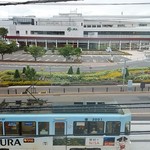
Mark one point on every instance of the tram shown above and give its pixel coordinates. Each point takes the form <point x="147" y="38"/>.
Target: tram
<point x="75" y="126"/>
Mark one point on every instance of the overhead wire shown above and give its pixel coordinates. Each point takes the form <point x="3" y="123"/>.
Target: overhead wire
<point x="96" y="4"/>
<point x="32" y="2"/>
<point x="55" y="2"/>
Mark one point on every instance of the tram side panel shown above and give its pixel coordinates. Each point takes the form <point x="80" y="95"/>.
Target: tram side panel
<point x="66" y="132"/>
<point x="72" y="141"/>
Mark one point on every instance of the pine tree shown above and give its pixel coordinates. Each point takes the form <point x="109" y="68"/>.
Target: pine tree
<point x="70" y="71"/>
<point x="127" y="73"/>
<point x="30" y="73"/>
<point x="78" y="71"/>
<point x="17" y="74"/>
<point x="24" y="70"/>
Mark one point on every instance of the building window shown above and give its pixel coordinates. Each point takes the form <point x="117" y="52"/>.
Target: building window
<point x="98" y="26"/>
<point x="121" y="25"/>
<point x="107" y="25"/>
<point x="93" y="26"/>
<point x="88" y="26"/>
<point x="26" y="32"/>
<point x="48" y="32"/>
<point x="142" y="25"/>
<point x="17" y="32"/>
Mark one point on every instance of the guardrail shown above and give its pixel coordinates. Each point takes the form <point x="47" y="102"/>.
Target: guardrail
<point x="73" y="89"/>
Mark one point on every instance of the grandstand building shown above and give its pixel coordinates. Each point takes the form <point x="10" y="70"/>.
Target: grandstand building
<point x="87" y="32"/>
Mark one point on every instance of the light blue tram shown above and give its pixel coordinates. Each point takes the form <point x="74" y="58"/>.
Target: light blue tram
<point x="66" y="127"/>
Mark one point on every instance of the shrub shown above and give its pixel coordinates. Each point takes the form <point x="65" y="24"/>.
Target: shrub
<point x="78" y="71"/>
<point x="17" y="74"/>
<point x="70" y="71"/>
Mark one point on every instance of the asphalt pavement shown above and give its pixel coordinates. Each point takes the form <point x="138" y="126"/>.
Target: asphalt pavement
<point x="87" y="60"/>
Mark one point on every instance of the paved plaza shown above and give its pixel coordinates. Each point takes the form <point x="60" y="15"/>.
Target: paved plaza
<point x="94" y="58"/>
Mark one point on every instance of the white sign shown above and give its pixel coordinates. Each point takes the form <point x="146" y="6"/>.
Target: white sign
<point x="130" y="85"/>
<point x="94" y="141"/>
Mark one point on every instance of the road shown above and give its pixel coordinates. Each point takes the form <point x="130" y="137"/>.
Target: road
<point x="90" y="62"/>
<point x="137" y="114"/>
<point x="86" y="67"/>
<point x="140" y="141"/>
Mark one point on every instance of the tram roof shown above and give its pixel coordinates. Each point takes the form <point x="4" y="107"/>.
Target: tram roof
<point x="76" y="107"/>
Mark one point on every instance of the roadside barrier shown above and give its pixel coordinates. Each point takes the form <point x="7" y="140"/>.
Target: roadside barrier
<point x="74" y="89"/>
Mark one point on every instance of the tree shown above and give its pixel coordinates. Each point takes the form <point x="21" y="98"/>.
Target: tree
<point x="78" y="71"/>
<point x="12" y="47"/>
<point x="3" y="32"/>
<point x="70" y="71"/>
<point x="127" y="73"/>
<point x="69" y="50"/>
<point x="36" y="51"/>
<point x="3" y="49"/>
<point x="77" y="52"/>
<point x="7" y="48"/>
<point x="24" y="70"/>
<point x="66" y="51"/>
<point x="30" y="73"/>
<point x="17" y="74"/>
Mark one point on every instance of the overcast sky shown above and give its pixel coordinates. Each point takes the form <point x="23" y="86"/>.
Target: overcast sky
<point x="48" y="10"/>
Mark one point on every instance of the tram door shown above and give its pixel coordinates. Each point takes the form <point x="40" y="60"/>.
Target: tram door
<point x="60" y="128"/>
<point x="59" y="140"/>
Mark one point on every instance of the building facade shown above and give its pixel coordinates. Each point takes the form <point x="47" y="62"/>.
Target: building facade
<point x="87" y="32"/>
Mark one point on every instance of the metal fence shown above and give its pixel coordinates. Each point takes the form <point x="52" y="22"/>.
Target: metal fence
<point x="72" y="89"/>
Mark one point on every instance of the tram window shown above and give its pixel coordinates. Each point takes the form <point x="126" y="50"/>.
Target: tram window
<point x="43" y="128"/>
<point x="1" y="128"/>
<point x="113" y="127"/>
<point x="59" y="128"/>
<point x="80" y="128"/>
<point x="96" y="127"/>
<point x="127" y="128"/>
<point x="11" y="128"/>
<point x="28" y="128"/>
<point x="88" y="128"/>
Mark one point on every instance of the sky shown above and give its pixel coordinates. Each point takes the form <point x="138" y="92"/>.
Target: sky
<point x="49" y="10"/>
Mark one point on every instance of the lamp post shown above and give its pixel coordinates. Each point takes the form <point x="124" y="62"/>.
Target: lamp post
<point x="124" y="73"/>
<point x="49" y="70"/>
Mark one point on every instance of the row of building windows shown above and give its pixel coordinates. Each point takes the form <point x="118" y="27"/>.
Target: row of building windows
<point x="48" y="32"/>
<point x="88" y="32"/>
<point x="43" y="32"/>
<point x="79" y="128"/>
<point x="110" y="25"/>
<point x="117" y="33"/>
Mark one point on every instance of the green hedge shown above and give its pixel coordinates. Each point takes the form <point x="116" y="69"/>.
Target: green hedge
<point x="20" y="83"/>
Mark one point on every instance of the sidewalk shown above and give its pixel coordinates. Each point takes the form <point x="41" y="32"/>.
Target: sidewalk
<point x="135" y="55"/>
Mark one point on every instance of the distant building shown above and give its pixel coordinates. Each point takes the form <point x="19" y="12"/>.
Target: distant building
<point x="87" y="32"/>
